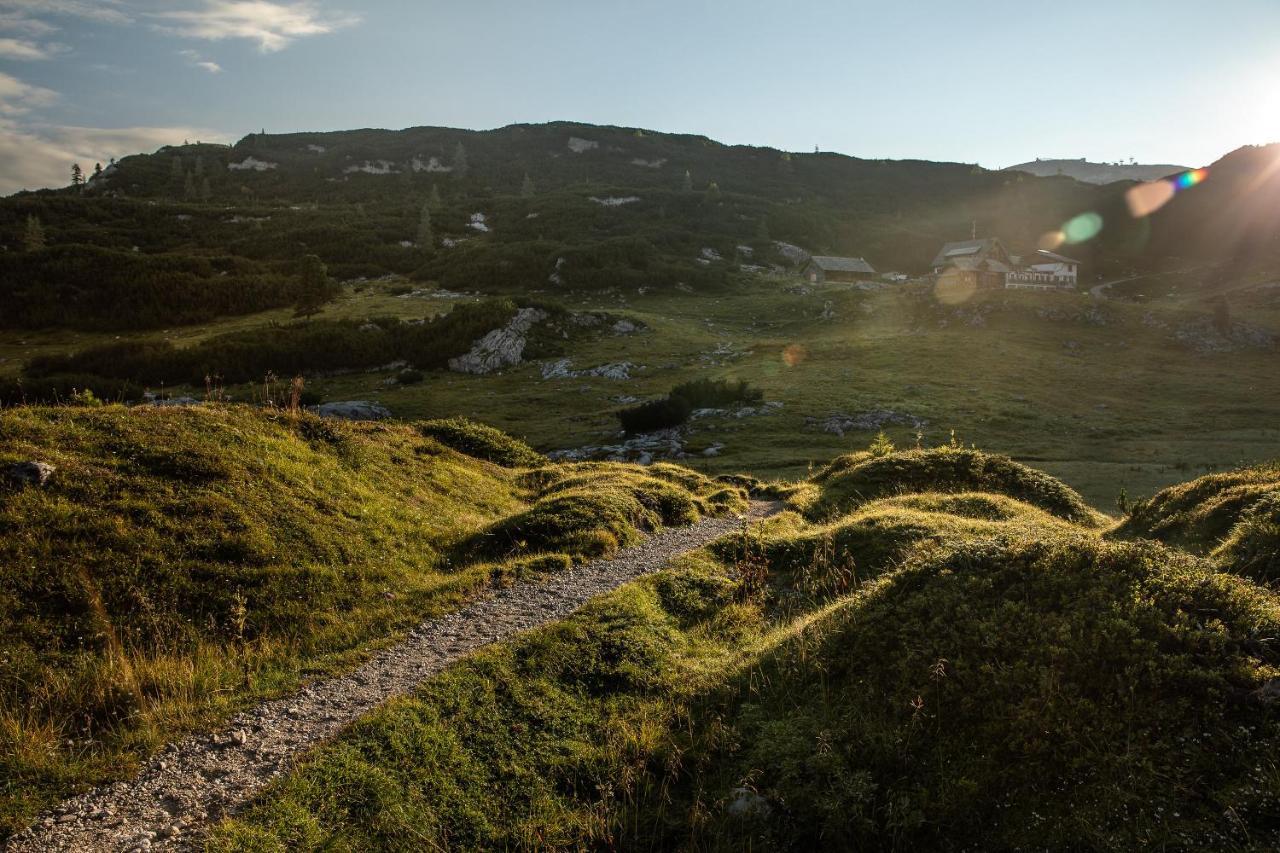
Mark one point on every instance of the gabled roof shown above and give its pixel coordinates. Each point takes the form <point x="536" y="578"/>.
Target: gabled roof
<point x="832" y="264"/>
<point x="1045" y="256"/>
<point x="965" y="249"/>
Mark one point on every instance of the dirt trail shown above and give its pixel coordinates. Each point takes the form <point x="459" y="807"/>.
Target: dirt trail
<point x="205" y="776"/>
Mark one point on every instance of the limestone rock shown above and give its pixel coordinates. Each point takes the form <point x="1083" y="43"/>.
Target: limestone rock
<point x="352" y="410"/>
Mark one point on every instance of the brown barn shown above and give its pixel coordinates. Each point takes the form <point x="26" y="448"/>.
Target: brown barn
<point x="820" y="269"/>
<point x="974" y="263"/>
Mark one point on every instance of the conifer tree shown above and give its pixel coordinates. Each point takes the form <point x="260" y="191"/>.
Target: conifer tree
<point x="315" y="288"/>
<point x="189" y="186"/>
<point x="526" y="188"/>
<point x="426" y="235"/>
<point x="713" y="191"/>
<point x="688" y="182"/>
<point x="33" y="239"/>
<point x="206" y="191"/>
<point x="97" y="171"/>
<point x="460" y="165"/>
<point x="77" y="175"/>
<point x="200" y="166"/>
<point x="177" y="171"/>
<point x="434" y="201"/>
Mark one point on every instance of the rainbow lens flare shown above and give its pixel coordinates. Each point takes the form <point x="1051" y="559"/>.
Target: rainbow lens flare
<point x="1187" y="180"/>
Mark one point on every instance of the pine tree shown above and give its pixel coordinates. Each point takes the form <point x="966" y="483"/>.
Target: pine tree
<point x="713" y="191"/>
<point x="426" y="236"/>
<point x="460" y="165"/>
<point x="688" y="182"/>
<point x="206" y="191"/>
<point x="189" y="186"/>
<point x="526" y="188"/>
<point x="200" y="166"/>
<point x="97" y="171"/>
<point x="77" y="175"/>
<point x="314" y="287"/>
<point x="177" y="171"/>
<point x="434" y="201"/>
<point x="33" y="239"/>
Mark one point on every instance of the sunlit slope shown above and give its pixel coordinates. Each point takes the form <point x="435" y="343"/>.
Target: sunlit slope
<point x="957" y="669"/>
<point x="181" y="562"/>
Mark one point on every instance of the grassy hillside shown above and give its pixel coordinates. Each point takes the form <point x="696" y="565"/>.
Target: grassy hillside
<point x="929" y="670"/>
<point x="184" y="562"/>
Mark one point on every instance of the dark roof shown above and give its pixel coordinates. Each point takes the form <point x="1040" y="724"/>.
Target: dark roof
<point x="831" y="264"/>
<point x="1043" y="255"/>
<point x="949" y="252"/>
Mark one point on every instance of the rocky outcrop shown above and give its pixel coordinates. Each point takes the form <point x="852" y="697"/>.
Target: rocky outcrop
<point x="352" y="410"/>
<point x="500" y="348"/>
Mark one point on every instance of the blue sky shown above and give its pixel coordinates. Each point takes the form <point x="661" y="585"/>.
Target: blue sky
<point x="994" y="82"/>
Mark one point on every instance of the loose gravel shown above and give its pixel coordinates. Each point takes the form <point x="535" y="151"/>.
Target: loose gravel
<point x="205" y="777"/>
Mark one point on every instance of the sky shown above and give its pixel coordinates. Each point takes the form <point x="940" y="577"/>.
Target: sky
<point x="993" y="82"/>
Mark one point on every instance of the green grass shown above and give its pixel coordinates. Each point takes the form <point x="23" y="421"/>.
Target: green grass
<point x="1126" y="409"/>
<point x="184" y="562"/>
<point x="931" y="670"/>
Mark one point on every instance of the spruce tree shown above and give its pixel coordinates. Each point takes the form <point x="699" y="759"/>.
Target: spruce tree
<point x="177" y="171"/>
<point x="426" y="236"/>
<point x="189" y="186"/>
<point x="33" y="239"/>
<point x="687" y="185"/>
<point x="315" y="288"/>
<point x="434" y="201"/>
<point x="77" y="175"/>
<point x="206" y="192"/>
<point x="97" y="171"/>
<point x="526" y="188"/>
<point x="200" y="166"/>
<point x="460" y="165"/>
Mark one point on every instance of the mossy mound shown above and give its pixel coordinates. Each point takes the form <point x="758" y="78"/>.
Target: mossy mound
<point x="593" y="509"/>
<point x="482" y="442"/>
<point x="825" y="559"/>
<point x="1252" y="547"/>
<point x="1199" y="514"/>
<point x="1060" y="693"/>
<point x="851" y="481"/>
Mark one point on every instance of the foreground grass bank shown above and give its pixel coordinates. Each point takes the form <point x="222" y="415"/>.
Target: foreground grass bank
<point x="183" y="562"/>
<point x="918" y="670"/>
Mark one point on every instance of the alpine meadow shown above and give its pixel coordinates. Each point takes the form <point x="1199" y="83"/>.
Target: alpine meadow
<point x="565" y="485"/>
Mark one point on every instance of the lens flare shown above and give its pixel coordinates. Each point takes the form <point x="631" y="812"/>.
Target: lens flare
<point x="1083" y="227"/>
<point x="1146" y="199"/>
<point x="794" y="354"/>
<point x="954" y="287"/>
<point x="1187" y="180"/>
<point x="1051" y="241"/>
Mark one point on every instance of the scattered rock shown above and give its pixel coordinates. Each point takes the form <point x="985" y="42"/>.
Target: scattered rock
<point x="616" y="200"/>
<point x="31" y="473"/>
<point x="578" y="145"/>
<point x="744" y="802"/>
<point x="625" y="327"/>
<point x="643" y="449"/>
<point x="563" y="369"/>
<point x="352" y="410"/>
<point x="1269" y="693"/>
<point x="839" y="423"/>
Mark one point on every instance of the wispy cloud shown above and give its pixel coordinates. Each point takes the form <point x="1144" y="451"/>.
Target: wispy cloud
<point x="18" y="97"/>
<point x="274" y="26"/>
<point x="37" y="157"/>
<point x="194" y="58"/>
<point x="11" y="48"/>
<point x="21" y="13"/>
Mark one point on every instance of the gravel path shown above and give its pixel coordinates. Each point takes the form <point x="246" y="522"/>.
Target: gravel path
<point x="204" y="777"/>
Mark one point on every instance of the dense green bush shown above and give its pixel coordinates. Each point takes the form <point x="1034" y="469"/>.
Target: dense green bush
<point x="675" y="408"/>
<point x="86" y="287"/>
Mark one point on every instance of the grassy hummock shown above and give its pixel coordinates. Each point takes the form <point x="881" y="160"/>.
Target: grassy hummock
<point x="988" y="675"/>
<point x="184" y="562"/>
